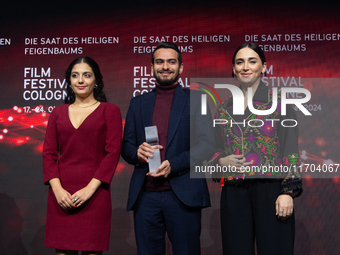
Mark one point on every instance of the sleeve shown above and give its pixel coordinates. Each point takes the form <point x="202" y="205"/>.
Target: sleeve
<point x="290" y="158"/>
<point x="50" y="149"/>
<point x="129" y="144"/>
<point x="113" y="141"/>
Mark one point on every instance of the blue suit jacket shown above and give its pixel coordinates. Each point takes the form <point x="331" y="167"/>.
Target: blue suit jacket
<point x="191" y="191"/>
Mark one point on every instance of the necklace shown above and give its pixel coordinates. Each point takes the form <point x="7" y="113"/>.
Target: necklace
<point x="85" y="106"/>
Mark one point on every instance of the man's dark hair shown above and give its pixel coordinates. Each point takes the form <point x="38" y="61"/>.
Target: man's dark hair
<point x="167" y="45"/>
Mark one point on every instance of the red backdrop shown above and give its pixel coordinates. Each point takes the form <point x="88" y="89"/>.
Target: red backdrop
<point x="38" y="41"/>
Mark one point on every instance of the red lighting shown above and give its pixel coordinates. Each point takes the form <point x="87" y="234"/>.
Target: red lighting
<point x="336" y="179"/>
<point x="120" y="168"/>
<point x="19" y="126"/>
<point x="19" y="141"/>
<point x="40" y="147"/>
<point x="308" y="177"/>
<point x="320" y="141"/>
<point x="123" y="124"/>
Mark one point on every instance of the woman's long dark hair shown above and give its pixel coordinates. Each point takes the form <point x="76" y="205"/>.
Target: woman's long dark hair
<point x="97" y="92"/>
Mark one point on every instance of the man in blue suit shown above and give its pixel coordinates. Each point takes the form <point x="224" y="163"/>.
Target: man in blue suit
<point x="169" y="200"/>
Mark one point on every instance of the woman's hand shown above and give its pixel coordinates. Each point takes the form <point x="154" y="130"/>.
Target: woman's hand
<point x="238" y="161"/>
<point x="63" y="197"/>
<point x="84" y="194"/>
<point x="81" y="196"/>
<point x="284" y="206"/>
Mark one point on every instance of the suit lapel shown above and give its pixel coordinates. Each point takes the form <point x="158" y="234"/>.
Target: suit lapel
<point x="177" y="108"/>
<point x="148" y="104"/>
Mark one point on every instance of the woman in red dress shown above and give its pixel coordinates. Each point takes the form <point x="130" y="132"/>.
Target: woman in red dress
<point x="80" y="155"/>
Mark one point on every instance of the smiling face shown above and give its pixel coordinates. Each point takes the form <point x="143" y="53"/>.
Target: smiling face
<point x="166" y="67"/>
<point x="82" y="80"/>
<point x="248" y="66"/>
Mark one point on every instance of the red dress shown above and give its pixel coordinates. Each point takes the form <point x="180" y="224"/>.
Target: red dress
<point x="75" y="156"/>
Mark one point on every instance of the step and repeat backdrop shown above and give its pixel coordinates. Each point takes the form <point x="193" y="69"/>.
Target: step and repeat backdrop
<point x="36" y="46"/>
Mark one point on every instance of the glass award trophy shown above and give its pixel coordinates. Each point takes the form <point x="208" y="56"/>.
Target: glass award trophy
<point x="151" y="136"/>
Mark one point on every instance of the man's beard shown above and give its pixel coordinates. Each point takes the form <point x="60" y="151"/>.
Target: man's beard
<point x="166" y="82"/>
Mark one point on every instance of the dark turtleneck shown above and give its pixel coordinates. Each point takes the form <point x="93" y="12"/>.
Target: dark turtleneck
<point x="160" y="118"/>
